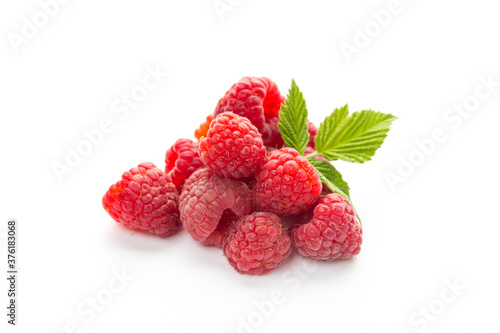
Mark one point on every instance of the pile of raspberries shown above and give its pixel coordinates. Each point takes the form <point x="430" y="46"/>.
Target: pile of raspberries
<point x="239" y="188"/>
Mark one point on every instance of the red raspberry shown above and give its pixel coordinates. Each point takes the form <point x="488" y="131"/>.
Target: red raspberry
<point x="313" y="131"/>
<point x="201" y="132"/>
<point x="286" y="184"/>
<point x="272" y="134"/>
<point x="258" y="99"/>
<point x="204" y="199"/>
<point x="226" y="222"/>
<point x="309" y="150"/>
<point x="333" y="233"/>
<point x="144" y="199"/>
<point x="233" y="146"/>
<point x="269" y="149"/>
<point x="257" y="244"/>
<point x="181" y="160"/>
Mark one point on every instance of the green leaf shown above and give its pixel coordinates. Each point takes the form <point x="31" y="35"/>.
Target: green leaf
<point x="331" y="177"/>
<point x="355" y="138"/>
<point x="329" y="126"/>
<point x="293" y="120"/>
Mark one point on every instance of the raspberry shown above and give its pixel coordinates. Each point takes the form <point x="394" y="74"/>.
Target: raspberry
<point x="233" y="146"/>
<point x="286" y="184"/>
<point x="269" y="149"/>
<point x="333" y="233"/>
<point x="181" y="160"/>
<point x="203" y="129"/>
<point x="272" y="134"/>
<point x="309" y="150"/>
<point x="257" y="244"/>
<point x="226" y="222"/>
<point x="204" y="199"/>
<point x="258" y="99"/>
<point x="313" y="130"/>
<point x="144" y="199"/>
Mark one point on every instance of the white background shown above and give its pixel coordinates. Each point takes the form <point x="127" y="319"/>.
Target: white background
<point x="438" y="227"/>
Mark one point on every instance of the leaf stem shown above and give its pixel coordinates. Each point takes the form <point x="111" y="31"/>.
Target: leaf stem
<point x="312" y="155"/>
